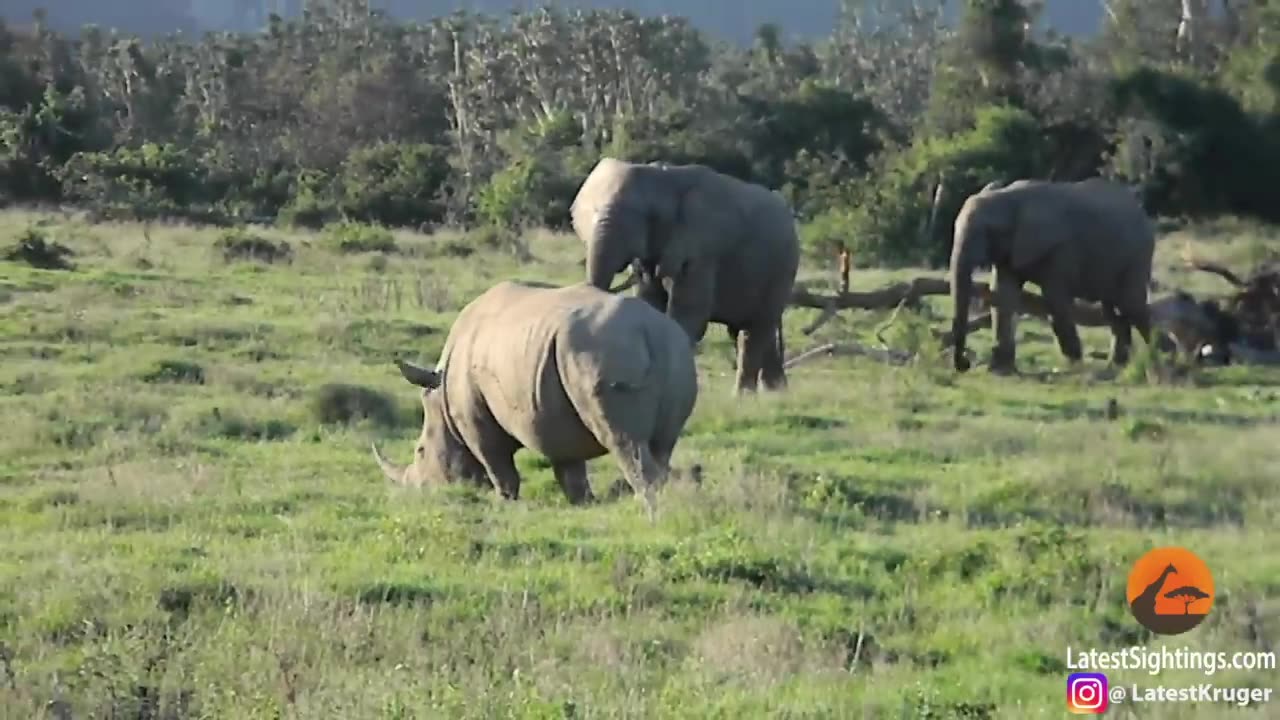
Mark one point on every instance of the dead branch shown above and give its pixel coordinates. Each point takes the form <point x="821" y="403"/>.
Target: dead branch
<point x="1178" y="316"/>
<point x="893" y="357"/>
<point x="1216" y="269"/>
<point x="886" y="298"/>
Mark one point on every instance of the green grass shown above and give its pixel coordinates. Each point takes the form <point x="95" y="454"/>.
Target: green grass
<point x="192" y="525"/>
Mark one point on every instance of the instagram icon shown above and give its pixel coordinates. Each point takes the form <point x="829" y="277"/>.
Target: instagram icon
<point x="1087" y="693"/>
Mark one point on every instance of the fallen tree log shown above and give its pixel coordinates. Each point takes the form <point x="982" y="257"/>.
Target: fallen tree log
<point x="910" y="292"/>
<point x="1177" y="317"/>
<point x="1254" y="306"/>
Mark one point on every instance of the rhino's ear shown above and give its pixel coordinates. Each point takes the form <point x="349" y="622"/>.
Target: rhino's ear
<point x="420" y="376"/>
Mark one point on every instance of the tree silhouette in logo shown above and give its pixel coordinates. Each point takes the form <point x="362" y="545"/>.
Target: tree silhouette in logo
<point x="1157" y="608"/>
<point x="1187" y="594"/>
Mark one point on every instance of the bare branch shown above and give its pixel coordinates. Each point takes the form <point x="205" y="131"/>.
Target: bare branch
<point x="893" y="357"/>
<point x="886" y="298"/>
<point x="1189" y="260"/>
<point x="1218" y="270"/>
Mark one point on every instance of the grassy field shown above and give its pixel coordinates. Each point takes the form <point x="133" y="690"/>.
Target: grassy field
<point x="192" y="525"/>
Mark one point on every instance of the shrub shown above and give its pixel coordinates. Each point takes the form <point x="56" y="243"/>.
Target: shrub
<point x="312" y="205"/>
<point x="150" y="181"/>
<point x="1206" y="131"/>
<point x="34" y="249"/>
<point x="887" y="216"/>
<point x="354" y="237"/>
<point x="240" y="244"/>
<point x="342" y="404"/>
<point x="394" y="183"/>
<point x="175" y="371"/>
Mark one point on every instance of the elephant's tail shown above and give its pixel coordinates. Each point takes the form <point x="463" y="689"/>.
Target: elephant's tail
<point x="782" y="345"/>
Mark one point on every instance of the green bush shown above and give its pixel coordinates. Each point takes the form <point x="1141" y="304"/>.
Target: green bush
<point x="1198" y="170"/>
<point x="311" y="204"/>
<point x="394" y="183"/>
<point x="538" y="184"/>
<point x="240" y="244"/>
<point x="354" y="237"/>
<point x="150" y="181"/>
<point x="38" y="251"/>
<point x="887" y="216"/>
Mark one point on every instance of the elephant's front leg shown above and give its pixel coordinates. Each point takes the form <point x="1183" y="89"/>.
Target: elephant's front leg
<point x="1004" y="313"/>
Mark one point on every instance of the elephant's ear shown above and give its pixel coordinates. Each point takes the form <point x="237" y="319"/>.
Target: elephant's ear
<point x="1037" y="229"/>
<point x="712" y="211"/>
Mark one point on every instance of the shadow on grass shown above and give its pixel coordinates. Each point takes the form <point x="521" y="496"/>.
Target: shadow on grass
<point x="1110" y="505"/>
<point x="397" y="593"/>
<point x="831" y="498"/>
<point x="180" y="600"/>
<point x="1048" y="412"/>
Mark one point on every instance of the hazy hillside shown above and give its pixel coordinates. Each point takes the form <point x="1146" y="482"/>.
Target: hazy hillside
<point x="733" y="20"/>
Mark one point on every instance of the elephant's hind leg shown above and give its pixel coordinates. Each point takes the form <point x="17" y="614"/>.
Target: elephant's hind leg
<point x="1060" y="306"/>
<point x="1121" y="335"/>
<point x="1004" y="316"/>
<point x="773" y="375"/>
<point x="1138" y="315"/>
<point x="572" y="477"/>
<point x="753" y="346"/>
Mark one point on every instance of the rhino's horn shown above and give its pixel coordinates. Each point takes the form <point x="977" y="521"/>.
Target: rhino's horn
<point x="394" y="472"/>
<point x="418" y="375"/>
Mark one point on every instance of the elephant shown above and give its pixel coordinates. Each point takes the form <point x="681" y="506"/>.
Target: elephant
<point x="712" y="248"/>
<point x="1088" y="239"/>
<point x="571" y="373"/>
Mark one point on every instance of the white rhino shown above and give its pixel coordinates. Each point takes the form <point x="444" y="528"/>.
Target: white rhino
<point x="571" y="373"/>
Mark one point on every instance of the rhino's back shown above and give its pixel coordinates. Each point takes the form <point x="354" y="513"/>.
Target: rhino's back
<point x="516" y="337"/>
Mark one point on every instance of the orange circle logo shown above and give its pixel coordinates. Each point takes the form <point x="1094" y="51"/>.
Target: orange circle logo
<point x="1170" y="590"/>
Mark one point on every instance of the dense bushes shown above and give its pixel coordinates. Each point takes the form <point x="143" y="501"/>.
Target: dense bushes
<point x="348" y="116"/>
<point x="890" y="217"/>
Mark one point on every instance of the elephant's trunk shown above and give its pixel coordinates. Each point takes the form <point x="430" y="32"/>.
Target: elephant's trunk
<point x="689" y="313"/>
<point x="394" y="473"/>
<point x="608" y="252"/>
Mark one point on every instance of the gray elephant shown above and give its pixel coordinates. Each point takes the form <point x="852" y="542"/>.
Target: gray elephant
<point x="1088" y="240"/>
<point x="713" y="249"/>
<point x="572" y="373"/>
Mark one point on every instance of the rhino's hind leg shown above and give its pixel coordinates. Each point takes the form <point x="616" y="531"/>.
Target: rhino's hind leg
<point x="572" y="477"/>
<point x="643" y="471"/>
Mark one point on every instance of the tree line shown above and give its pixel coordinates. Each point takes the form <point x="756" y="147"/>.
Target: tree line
<point x="875" y="133"/>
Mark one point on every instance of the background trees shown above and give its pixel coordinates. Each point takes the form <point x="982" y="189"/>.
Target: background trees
<point x="875" y="133"/>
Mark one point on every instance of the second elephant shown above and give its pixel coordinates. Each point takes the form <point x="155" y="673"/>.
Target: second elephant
<point x="1088" y="240"/>
<point x="714" y="249"/>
